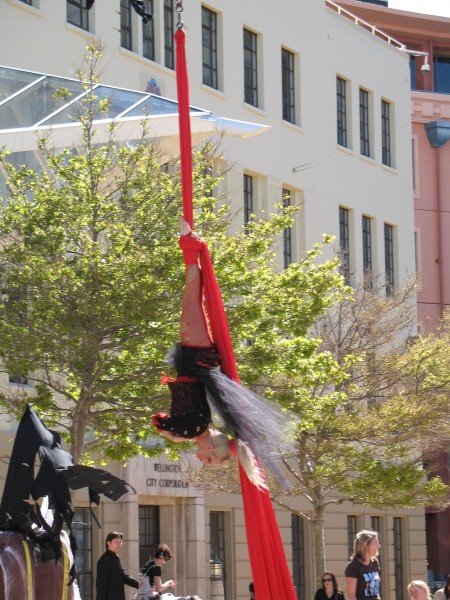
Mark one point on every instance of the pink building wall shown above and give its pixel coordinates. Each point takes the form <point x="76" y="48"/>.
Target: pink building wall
<point x="432" y="207"/>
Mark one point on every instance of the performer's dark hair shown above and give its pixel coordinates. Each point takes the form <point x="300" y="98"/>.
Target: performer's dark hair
<point x="112" y="535"/>
<point x="163" y="551"/>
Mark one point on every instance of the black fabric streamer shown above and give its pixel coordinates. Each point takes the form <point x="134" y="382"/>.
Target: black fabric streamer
<point x="138" y="5"/>
<point x="55" y="476"/>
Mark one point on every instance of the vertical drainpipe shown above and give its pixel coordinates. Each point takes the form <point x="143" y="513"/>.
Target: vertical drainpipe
<point x="438" y="134"/>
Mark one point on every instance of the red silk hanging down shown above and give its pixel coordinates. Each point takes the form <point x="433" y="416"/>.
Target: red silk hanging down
<point x="271" y="575"/>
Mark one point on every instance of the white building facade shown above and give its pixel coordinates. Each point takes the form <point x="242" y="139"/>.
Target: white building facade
<point x="337" y="100"/>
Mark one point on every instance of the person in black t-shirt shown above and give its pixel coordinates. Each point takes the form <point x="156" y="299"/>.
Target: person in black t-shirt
<point x="152" y="569"/>
<point x="363" y="571"/>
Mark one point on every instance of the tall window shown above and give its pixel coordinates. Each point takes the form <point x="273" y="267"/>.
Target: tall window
<point x="125" y="25"/>
<point x="217" y="545"/>
<point x="344" y="243"/>
<point x="352" y="530"/>
<point x="364" y="122"/>
<point x="148" y="532"/>
<point x="248" y="198"/>
<point x="389" y="257"/>
<point x="386" y="133"/>
<point x="441" y="70"/>
<point x="77" y="13"/>
<point x="169" y="49"/>
<point x="341" y="99"/>
<point x="288" y="85"/>
<point x="375" y="525"/>
<point x="287" y="233"/>
<point x="398" y="558"/>
<point x="298" y="555"/>
<point x="148" y="33"/>
<point x="82" y="531"/>
<point x="367" y="250"/>
<point x="412" y="71"/>
<point x="250" y="68"/>
<point x="209" y="47"/>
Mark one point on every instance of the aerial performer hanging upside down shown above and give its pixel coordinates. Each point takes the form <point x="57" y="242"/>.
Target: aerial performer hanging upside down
<point x="258" y="429"/>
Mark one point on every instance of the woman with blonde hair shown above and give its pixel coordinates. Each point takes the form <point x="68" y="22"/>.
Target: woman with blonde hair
<point x="363" y="571"/>
<point x="419" y="590"/>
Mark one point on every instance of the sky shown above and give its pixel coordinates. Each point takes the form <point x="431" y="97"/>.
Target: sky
<point x="428" y="7"/>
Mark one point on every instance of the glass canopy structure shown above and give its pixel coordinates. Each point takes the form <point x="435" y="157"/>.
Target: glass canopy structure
<point x="34" y="104"/>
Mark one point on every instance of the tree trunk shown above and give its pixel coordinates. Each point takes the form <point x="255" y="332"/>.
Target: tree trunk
<point x="317" y="522"/>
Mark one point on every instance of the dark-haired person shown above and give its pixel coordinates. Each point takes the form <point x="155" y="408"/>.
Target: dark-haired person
<point x="330" y="589"/>
<point x="152" y="569"/>
<point x="251" y="589"/>
<point x="363" y="571"/>
<point x="444" y="592"/>
<point x="111" y="577"/>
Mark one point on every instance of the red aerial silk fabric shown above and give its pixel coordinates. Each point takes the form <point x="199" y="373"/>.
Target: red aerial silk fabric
<point x="271" y="576"/>
<point x="185" y="127"/>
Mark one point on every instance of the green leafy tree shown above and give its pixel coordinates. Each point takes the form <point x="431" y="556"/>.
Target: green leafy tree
<point x="92" y="280"/>
<point x="373" y="404"/>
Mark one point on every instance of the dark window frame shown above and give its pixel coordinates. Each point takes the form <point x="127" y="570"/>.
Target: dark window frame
<point x="17" y="379"/>
<point x="148" y="34"/>
<point x="169" y="31"/>
<point x="344" y="243"/>
<point x="298" y="555"/>
<point x="251" y="68"/>
<point x="287" y="232"/>
<point x="367" y="251"/>
<point x="210" y="74"/>
<point x="386" y="133"/>
<point x="217" y="542"/>
<point x="352" y="530"/>
<point x="397" y="528"/>
<point x="288" y="85"/>
<point x="341" y="109"/>
<point x="126" y="31"/>
<point x="78" y="7"/>
<point x="82" y="522"/>
<point x="248" y="198"/>
<point x="149" y="531"/>
<point x="389" y="258"/>
<point x="364" y="131"/>
<point x="441" y="82"/>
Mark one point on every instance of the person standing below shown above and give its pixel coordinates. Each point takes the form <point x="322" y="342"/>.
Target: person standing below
<point x="444" y="592"/>
<point x="419" y="590"/>
<point x="330" y="589"/>
<point x="111" y="577"/>
<point x="152" y="569"/>
<point x="363" y="571"/>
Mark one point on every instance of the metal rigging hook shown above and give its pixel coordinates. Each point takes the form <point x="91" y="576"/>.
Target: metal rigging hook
<point x="179" y="11"/>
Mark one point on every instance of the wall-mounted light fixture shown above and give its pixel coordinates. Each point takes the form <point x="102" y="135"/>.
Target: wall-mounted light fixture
<point x="425" y="68"/>
<point x="215" y="569"/>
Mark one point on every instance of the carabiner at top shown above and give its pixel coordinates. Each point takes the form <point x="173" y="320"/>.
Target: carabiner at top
<point x="179" y="11"/>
